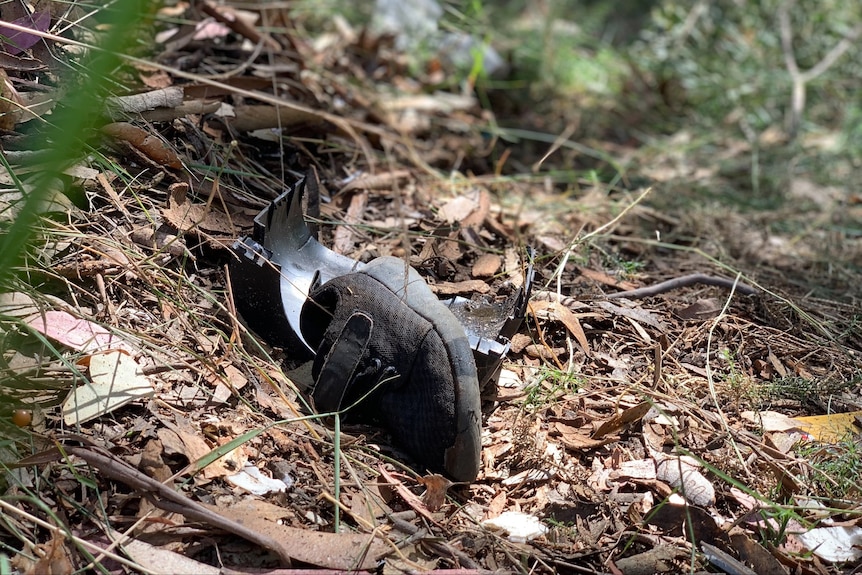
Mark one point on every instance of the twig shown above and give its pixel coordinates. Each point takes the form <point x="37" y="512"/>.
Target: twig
<point x="7" y="508"/>
<point x="167" y="499"/>
<point x="683" y="281"/>
<point x="238" y="25"/>
<point x="709" y="372"/>
<point x="439" y="546"/>
<point x="542" y="338"/>
<point x="690" y="21"/>
<point x="336" y="472"/>
<point x="800" y="79"/>
<point x="562" y="138"/>
<point x="558" y="273"/>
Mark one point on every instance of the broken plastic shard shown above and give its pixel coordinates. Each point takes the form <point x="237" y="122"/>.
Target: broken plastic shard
<point x="521" y="527"/>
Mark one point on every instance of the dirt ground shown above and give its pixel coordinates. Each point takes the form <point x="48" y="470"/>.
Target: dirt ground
<point x="639" y="434"/>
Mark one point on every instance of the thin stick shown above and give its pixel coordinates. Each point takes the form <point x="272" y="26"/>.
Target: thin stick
<point x="558" y="273"/>
<point x="799" y="78"/>
<point x="337" y="471"/>
<point x="77" y="540"/>
<point x="683" y="281"/>
<point x="710" y="379"/>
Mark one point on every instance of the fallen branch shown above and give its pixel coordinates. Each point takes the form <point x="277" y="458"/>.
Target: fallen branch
<point x="691" y="279"/>
<point x="800" y="79"/>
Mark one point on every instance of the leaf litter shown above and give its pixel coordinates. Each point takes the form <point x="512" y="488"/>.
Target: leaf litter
<point x="625" y="434"/>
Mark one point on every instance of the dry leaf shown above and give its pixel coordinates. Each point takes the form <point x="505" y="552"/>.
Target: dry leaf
<point x="10" y="103"/>
<point x="777" y="365"/>
<point x="54" y="558"/>
<point x="12" y="63"/>
<point x="160" y="239"/>
<point x="77" y="333"/>
<point x="513" y="265"/>
<point x="449" y="250"/>
<point x="186" y="216"/>
<point x="17" y="304"/>
<point x="639" y="469"/>
<point x="674" y="516"/>
<point x="158" y="560"/>
<point x="406" y="494"/>
<point x="468" y="209"/>
<point x="626" y="417"/>
<point x="114" y="382"/>
<point x="659" y="559"/>
<point x="342" y="238"/>
<point x="566" y="317"/>
<point x="641" y="331"/>
<point x="497" y="504"/>
<point x="756" y="555"/>
<point x="639" y="314"/>
<point x="16" y="41"/>
<point x="150" y="146"/>
<point x="682" y="473"/>
<point x="771" y="420"/>
<point x="578" y="439"/>
<point x="476" y="218"/>
<point x="341" y="551"/>
<point x="436" y="487"/>
<point x="466" y="287"/>
<point x="701" y="309"/>
<point x="486" y="266"/>
<point x="605" y="279"/>
<point x="152" y="462"/>
<point x="237" y="379"/>
<point x="186" y="440"/>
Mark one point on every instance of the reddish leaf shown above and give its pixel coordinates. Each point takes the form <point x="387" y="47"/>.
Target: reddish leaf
<point x="79" y="334"/>
<point x="406" y="494"/>
<point x="150" y="146"/>
<point x="436" y="487"/>
<point x="16" y="41"/>
<point x="626" y="417"/>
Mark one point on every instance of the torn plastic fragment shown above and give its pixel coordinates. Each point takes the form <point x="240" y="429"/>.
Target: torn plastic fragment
<point x="521" y="527"/>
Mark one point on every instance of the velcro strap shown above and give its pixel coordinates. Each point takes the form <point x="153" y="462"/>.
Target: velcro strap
<point x="339" y="366"/>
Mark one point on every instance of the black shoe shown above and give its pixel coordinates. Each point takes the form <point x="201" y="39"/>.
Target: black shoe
<point x="393" y="354"/>
<point x="375" y="333"/>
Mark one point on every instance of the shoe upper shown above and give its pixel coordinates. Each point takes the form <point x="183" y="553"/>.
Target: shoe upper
<point x="415" y="375"/>
<point x="375" y="330"/>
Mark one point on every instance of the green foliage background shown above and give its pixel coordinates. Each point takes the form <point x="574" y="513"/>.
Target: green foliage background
<point x="69" y="126"/>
